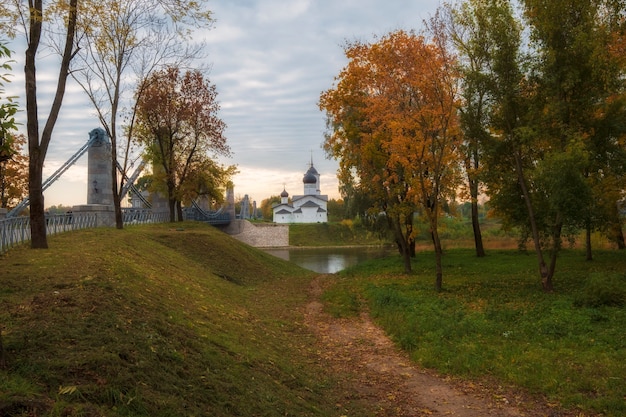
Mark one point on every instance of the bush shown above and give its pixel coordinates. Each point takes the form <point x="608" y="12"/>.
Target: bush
<point x="603" y="289"/>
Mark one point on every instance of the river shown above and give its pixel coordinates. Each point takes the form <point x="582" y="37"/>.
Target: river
<point x="328" y="260"/>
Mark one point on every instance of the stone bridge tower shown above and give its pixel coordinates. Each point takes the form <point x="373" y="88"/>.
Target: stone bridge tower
<point x="99" y="182"/>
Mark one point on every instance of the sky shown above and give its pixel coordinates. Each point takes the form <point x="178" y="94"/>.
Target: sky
<point x="269" y="60"/>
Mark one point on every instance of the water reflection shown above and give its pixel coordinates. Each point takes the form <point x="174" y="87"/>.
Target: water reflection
<point x="328" y="260"/>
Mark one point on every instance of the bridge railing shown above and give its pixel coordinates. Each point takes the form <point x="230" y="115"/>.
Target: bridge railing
<point x="16" y="230"/>
<point x="214" y="218"/>
<point x="141" y="216"/>
<point x="13" y="231"/>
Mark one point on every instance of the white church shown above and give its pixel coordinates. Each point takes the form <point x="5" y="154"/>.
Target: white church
<point x="312" y="207"/>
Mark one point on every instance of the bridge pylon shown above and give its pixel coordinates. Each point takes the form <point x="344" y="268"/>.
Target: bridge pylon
<point x="99" y="166"/>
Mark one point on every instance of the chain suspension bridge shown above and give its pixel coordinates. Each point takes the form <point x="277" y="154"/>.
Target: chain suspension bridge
<point x="15" y="228"/>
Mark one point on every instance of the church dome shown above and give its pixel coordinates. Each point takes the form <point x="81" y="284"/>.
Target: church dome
<point x="312" y="170"/>
<point x="309" y="178"/>
<point x="284" y="193"/>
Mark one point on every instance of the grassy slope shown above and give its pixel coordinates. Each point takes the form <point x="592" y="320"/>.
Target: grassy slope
<point x="155" y="321"/>
<point x="332" y="234"/>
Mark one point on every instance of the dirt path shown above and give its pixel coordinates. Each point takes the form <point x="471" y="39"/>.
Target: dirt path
<point x="372" y="369"/>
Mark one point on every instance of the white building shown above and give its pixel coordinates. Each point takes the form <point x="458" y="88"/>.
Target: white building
<point x="312" y="207"/>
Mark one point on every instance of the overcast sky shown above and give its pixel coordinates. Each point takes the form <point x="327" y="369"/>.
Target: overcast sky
<point x="270" y="60"/>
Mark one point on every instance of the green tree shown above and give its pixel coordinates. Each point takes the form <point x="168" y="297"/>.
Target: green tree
<point x="336" y="210"/>
<point x="511" y="151"/>
<point x="14" y="174"/>
<point x="575" y="76"/>
<point x="471" y="26"/>
<point x="13" y="162"/>
<point x="266" y="206"/>
<point x="206" y="179"/>
<point x="606" y="141"/>
<point x="8" y="109"/>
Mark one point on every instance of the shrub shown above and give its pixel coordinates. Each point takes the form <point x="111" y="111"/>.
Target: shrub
<point x="602" y="289"/>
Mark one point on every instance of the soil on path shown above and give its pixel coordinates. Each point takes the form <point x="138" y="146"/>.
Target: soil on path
<point x="371" y="369"/>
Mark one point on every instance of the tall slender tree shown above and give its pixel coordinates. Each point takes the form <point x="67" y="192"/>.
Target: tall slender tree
<point x="470" y="26"/>
<point x="575" y="78"/>
<point x="34" y="15"/>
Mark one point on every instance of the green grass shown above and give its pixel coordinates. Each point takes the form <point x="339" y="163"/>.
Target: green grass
<point x="178" y="320"/>
<point x="493" y="321"/>
<point x="345" y="233"/>
<point x="157" y="321"/>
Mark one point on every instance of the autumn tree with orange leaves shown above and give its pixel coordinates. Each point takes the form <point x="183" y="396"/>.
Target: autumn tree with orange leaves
<point x="14" y="174"/>
<point x="393" y="126"/>
<point x="178" y="125"/>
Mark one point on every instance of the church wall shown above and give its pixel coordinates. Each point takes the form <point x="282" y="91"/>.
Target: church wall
<point x="301" y="212"/>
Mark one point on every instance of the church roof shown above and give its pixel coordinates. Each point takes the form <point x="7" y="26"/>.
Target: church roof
<point x="320" y="197"/>
<point x="310" y="204"/>
<point x="283" y="211"/>
<point x="309" y="178"/>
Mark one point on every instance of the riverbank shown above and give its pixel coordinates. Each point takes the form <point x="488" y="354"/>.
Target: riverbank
<point x="273" y="235"/>
<point x="259" y="235"/>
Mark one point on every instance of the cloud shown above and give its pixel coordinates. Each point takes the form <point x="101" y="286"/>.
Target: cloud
<point x="270" y="60"/>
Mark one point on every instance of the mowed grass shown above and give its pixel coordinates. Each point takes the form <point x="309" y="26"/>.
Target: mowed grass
<point x="492" y="321"/>
<point x="160" y="320"/>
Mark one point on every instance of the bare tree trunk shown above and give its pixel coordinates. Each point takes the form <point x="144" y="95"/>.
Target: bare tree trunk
<point x="473" y="186"/>
<point x="37" y="148"/>
<point x="172" y="208"/>
<point x="179" y="211"/>
<point x="3" y="358"/>
<point x="556" y="247"/>
<point x="478" y="237"/>
<point x="621" y="242"/>
<point x="616" y="233"/>
<point x="117" y="207"/>
<point x="588" y="251"/>
<point x="171" y="199"/>
<point x="546" y="280"/>
<point x="438" y="259"/>
<point x="402" y="242"/>
<point x="38" y="239"/>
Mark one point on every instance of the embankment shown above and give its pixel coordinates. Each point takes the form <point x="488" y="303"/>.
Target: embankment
<point x="260" y="234"/>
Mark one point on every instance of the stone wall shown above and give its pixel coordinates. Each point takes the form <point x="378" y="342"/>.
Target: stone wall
<point x="260" y="234"/>
<point x="105" y="213"/>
